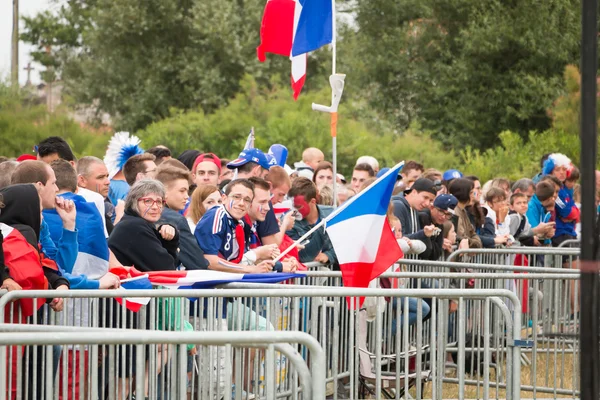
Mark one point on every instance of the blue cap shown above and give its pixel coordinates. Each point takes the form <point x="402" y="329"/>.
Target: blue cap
<point x="445" y="202"/>
<point x="271" y="159"/>
<point x="382" y="171"/>
<point x="452" y="174"/>
<point x="250" y="155"/>
<point x="280" y="152"/>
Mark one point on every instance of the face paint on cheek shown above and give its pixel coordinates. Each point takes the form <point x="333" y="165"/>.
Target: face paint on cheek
<point x="230" y="204"/>
<point x="302" y="206"/>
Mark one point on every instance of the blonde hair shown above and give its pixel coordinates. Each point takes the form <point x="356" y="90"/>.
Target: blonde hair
<point x="326" y="195"/>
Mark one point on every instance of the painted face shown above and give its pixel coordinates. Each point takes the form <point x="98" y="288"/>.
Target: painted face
<point x="239" y="201"/>
<point x="206" y="173"/>
<point x="302" y="206"/>
<point x="260" y="204"/>
<point x="214" y="199"/>
<point x="324" y="177"/>
<point x="151" y="207"/>
<point x="476" y="193"/>
<point x="177" y="195"/>
<point x="97" y="180"/>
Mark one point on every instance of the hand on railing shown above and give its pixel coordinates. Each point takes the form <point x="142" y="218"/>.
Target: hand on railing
<point x="57" y="303"/>
<point x="10" y="285"/>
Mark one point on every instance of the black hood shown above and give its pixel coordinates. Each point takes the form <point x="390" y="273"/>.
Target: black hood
<point x="188" y="157"/>
<point x="22" y="210"/>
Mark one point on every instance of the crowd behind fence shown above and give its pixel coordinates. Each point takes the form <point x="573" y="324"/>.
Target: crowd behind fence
<point x="472" y="326"/>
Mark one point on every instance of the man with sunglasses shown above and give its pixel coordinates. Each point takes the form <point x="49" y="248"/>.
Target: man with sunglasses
<point x="220" y="232"/>
<point x="441" y="211"/>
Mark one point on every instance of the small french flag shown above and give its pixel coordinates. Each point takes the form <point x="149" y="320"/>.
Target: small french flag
<point x="138" y="283"/>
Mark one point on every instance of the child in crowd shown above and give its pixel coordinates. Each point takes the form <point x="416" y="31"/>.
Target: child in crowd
<point x="516" y="224"/>
<point x="566" y="226"/>
<point x="407" y="245"/>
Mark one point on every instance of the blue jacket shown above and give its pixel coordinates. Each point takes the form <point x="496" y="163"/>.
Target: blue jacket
<point x="564" y="206"/>
<point x="537" y="214"/>
<point x="65" y="255"/>
<point x="319" y="240"/>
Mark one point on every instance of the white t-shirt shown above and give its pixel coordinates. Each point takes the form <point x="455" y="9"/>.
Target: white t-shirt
<point x="98" y="200"/>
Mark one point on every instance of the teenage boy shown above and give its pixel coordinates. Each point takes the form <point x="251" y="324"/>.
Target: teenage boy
<point x="177" y="185"/>
<point x="516" y="223"/>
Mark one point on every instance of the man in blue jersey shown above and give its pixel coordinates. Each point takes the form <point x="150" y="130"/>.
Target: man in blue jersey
<point x="220" y="232"/>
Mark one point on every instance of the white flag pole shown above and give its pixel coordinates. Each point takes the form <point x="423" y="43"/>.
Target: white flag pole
<point x="396" y="169"/>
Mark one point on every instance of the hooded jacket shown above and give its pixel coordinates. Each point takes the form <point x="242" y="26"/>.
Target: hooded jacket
<point x="22" y="211"/>
<point x="138" y="243"/>
<point x="537" y="214"/>
<point x="409" y="218"/>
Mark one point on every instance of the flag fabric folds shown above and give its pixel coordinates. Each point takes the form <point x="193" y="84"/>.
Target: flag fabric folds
<point x="361" y="234"/>
<point x="293" y="28"/>
<point x="138" y="283"/>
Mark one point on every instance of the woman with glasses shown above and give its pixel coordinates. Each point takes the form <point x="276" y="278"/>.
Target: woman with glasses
<point x="137" y="239"/>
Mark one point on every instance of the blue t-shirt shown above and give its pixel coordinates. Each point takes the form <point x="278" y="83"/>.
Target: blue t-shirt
<point x="269" y="226"/>
<point x="117" y="190"/>
<point x="215" y="234"/>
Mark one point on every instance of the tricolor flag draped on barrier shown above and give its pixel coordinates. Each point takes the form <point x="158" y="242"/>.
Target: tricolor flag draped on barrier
<point x="292" y="28"/>
<point x="138" y="283"/>
<point x="361" y="234"/>
<point x="194" y="279"/>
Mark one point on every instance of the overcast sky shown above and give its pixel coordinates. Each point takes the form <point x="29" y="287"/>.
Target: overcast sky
<point x="26" y="8"/>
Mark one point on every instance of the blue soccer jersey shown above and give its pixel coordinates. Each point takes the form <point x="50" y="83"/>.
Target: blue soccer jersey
<point x="216" y="234"/>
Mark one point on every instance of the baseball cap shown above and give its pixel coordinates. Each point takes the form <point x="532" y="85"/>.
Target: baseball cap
<point x="445" y="202"/>
<point x="207" y="157"/>
<point x="452" y="174"/>
<point x="280" y="153"/>
<point x="250" y="155"/>
<point x="423" y="185"/>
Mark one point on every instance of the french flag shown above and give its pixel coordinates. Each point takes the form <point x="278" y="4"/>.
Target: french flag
<point x="200" y="279"/>
<point x="292" y="28"/>
<point x="138" y="283"/>
<point x="361" y="234"/>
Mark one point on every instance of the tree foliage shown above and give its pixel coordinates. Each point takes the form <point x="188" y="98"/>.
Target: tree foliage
<point x="277" y="120"/>
<point x="23" y="124"/>
<point x="136" y="60"/>
<point x="465" y="69"/>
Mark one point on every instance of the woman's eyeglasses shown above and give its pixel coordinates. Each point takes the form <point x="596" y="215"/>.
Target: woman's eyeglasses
<point x="149" y="202"/>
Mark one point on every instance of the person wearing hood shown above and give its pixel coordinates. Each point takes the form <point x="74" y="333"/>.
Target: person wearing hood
<point x="406" y="208"/>
<point x="139" y="239"/>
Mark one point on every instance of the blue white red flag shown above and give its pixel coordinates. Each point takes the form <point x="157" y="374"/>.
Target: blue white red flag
<point x="138" y="283"/>
<point x="361" y="234"/>
<point x="201" y="279"/>
<point x="293" y="28"/>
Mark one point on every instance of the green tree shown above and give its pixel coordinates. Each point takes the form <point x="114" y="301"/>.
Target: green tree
<point x="138" y="60"/>
<point x="277" y="119"/>
<point x="465" y="69"/>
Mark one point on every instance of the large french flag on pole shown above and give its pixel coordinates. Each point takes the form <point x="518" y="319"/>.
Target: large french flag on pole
<point x="293" y="28"/>
<point x="361" y="234"/>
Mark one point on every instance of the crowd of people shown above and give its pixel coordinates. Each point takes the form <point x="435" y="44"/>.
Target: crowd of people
<point x="65" y="222"/>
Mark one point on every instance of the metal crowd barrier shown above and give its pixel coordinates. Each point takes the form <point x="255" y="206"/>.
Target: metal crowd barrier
<point x="354" y="342"/>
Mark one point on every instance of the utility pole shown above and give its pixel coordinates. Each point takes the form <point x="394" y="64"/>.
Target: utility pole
<point x="15" y="46"/>
<point x="28" y="68"/>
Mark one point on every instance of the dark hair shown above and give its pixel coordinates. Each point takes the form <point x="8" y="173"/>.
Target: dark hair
<point x="160" y="152"/>
<point x="247" y="168"/>
<point x="30" y="171"/>
<point x="472" y="178"/>
<point x="365" y="167"/>
<point x="544" y="190"/>
<point x="515" y="196"/>
<point x="260" y="183"/>
<point x="495" y="193"/>
<point x="552" y="179"/>
<point x="224" y="184"/>
<point x="135" y="165"/>
<point x="574" y="175"/>
<point x="66" y="176"/>
<point x="55" y="145"/>
<point x="188" y="157"/>
<point x="321" y="166"/>
<point x="411" y="165"/>
<point x="244" y="182"/>
<point x="304" y="187"/>
<point x="224" y="162"/>
<point x="544" y="158"/>
<point x="461" y="189"/>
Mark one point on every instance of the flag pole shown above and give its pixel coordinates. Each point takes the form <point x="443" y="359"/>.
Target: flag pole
<point x="396" y="169"/>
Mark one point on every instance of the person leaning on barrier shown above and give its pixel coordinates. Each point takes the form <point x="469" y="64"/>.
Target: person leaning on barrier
<point x="441" y="211"/>
<point x="220" y="232"/>
<point x="538" y="211"/>
<point x="319" y="248"/>
<point x="139" y="239"/>
<point x="467" y="237"/>
<point x="177" y="183"/>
